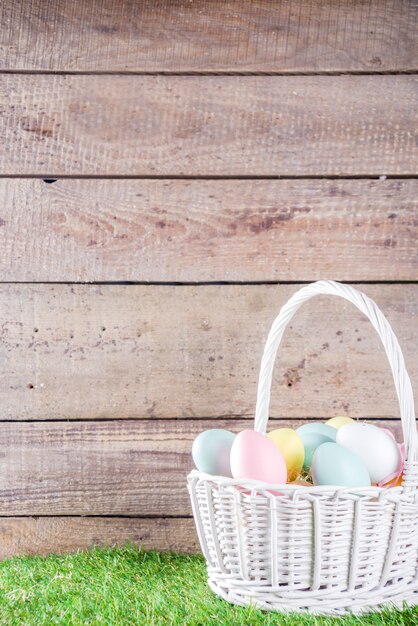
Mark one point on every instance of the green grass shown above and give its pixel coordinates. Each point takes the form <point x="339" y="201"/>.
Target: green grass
<point x="128" y="586"/>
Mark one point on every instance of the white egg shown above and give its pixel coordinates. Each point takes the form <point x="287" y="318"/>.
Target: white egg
<point x="374" y="446"/>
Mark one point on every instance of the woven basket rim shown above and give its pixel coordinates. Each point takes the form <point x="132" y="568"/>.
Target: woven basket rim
<point x="387" y="493"/>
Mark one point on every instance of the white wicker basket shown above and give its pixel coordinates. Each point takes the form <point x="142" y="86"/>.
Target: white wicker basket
<point x="327" y="550"/>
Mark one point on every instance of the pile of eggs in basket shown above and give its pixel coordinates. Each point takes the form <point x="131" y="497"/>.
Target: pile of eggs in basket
<point x="340" y="452"/>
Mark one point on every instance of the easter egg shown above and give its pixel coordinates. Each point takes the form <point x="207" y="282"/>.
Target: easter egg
<point x="379" y="452"/>
<point x="334" y="465"/>
<point x="211" y="451"/>
<point x="395" y="480"/>
<point x="292" y="450"/>
<point x="255" y="456"/>
<point x="313" y="435"/>
<point x="340" y="420"/>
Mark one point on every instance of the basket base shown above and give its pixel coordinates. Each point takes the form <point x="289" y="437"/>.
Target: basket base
<point x="339" y="603"/>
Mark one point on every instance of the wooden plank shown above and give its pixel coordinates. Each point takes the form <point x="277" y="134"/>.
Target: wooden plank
<point x="46" y="535"/>
<point x="55" y="125"/>
<point x="105" y="351"/>
<point x="220" y="35"/>
<point x="82" y="230"/>
<point x="103" y="468"/>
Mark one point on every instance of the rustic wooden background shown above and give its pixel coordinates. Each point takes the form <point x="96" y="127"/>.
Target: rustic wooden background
<point x="170" y="171"/>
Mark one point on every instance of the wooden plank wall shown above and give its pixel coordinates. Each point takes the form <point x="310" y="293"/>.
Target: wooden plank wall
<point x="170" y="173"/>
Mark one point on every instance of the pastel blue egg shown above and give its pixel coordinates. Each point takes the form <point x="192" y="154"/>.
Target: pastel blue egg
<point x="334" y="465"/>
<point x="211" y="451"/>
<point x="314" y="435"/>
<point x="319" y="427"/>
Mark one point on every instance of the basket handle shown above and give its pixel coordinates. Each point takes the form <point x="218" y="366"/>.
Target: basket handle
<point x="393" y="351"/>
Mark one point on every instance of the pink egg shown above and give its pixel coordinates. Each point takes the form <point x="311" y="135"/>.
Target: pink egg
<point x="255" y="456"/>
<point x="389" y="432"/>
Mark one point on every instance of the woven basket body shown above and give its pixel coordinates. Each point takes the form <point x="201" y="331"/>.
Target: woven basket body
<point x="328" y="550"/>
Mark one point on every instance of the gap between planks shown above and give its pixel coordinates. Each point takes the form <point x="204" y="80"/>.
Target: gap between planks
<point x="243" y="74"/>
<point x="191" y="283"/>
<point x="231" y="418"/>
<point x="53" y="178"/>
<point x="133" y="516"/>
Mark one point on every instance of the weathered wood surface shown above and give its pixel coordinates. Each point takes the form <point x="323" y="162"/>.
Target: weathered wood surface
<point x="91" y="351"/>
<point x="208" y="125"/>
<point x="84" y="230"/>
<point x="220" y="35"/>
<point x="43" y="535"/>
<point x="112" y="467"/>
<point x="137" y="355"/>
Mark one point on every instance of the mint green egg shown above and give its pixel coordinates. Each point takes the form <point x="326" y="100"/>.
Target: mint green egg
<point x="211" y="451"/>
<point x="334" y="465"/>
<point x="314" y="435"/>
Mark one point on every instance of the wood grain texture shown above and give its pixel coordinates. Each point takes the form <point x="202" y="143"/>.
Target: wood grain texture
<point x="218" y="230"/>
<point x="216" y="35"/>
<point x="44" y="535"/>
<point x="105" y="351"/>
<point x="104" y="468"/>
<point x="56" y="125"/>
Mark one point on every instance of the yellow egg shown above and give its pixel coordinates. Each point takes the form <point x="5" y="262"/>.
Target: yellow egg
<point x="292" y="449"/>
<point x="337" y="422"/>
